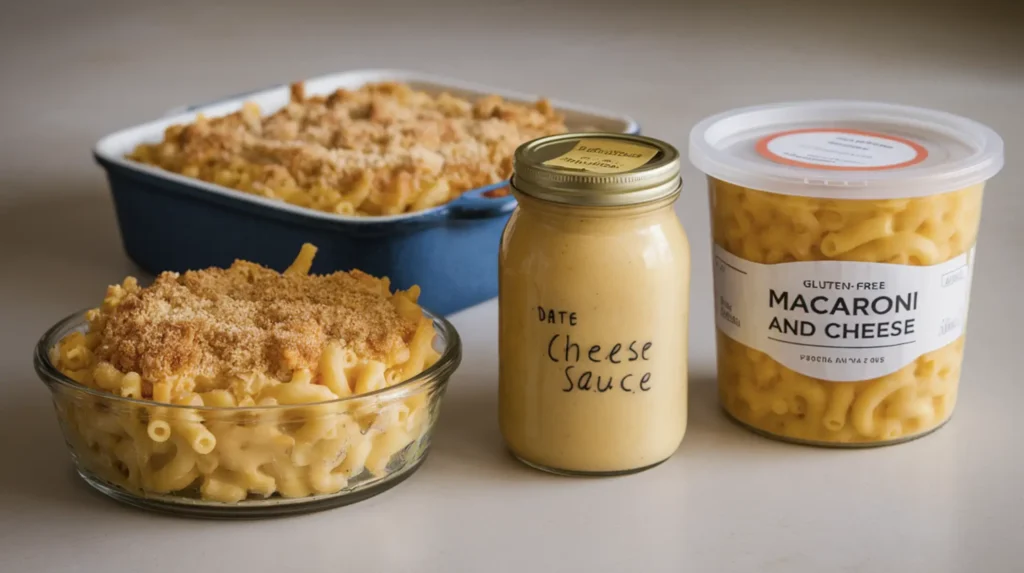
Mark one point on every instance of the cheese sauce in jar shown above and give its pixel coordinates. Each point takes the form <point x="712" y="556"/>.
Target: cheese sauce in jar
<point x="844" y="238"/>
<point x="593" y="297"/>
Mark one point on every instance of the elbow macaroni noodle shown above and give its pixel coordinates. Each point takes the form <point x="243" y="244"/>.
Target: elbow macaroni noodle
<point x="253" y="435"/>
<point x="768" y="228"/>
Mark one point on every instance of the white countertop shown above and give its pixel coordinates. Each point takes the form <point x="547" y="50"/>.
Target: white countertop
<point x="728" y="501"/>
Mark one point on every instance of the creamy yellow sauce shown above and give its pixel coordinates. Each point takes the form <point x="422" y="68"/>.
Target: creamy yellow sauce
<point x="593" y="316"/>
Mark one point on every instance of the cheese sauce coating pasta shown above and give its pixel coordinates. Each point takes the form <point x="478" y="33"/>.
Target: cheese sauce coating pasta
<point x="770" y="228"/>
<point x="245" y="369"/>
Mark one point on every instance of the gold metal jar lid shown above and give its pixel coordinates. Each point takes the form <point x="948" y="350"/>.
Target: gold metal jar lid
<point x="597" y="169"/>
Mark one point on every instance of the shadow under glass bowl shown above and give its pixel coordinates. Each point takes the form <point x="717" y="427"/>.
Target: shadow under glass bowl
<point x="246" y="462"/>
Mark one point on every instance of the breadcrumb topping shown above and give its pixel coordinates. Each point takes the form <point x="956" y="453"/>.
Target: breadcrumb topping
<point x="246" y="319"/>
<point x="380" y="150"/>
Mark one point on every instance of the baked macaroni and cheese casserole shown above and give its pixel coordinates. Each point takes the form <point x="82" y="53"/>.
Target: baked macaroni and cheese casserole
<point x="226" y="385"/>
<point x="383" y="149"/>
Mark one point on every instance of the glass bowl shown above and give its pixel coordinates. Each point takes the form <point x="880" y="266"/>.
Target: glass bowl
<point x="259" y="461"/>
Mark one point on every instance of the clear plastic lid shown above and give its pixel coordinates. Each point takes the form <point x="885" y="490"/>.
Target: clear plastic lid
<point x="846" y="149"/>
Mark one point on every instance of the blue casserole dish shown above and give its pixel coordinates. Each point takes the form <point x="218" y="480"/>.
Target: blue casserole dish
<point x="176" y="223"/>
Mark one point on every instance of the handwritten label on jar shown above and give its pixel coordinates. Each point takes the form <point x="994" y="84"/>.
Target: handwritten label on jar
<point x="619" y="366"/>
<point x="604" y="156"/>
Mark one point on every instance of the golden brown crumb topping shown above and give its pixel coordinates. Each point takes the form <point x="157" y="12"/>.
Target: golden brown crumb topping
<point x="382" y="149"/>
<point x="246" y="319"/>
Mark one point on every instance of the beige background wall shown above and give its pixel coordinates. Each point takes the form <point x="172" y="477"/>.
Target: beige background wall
<point x="72" y="71"/>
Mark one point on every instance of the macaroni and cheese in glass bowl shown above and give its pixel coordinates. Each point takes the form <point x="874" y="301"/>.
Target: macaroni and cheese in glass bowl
<point x="244" y="392"/>
<point x="843" y="237"/>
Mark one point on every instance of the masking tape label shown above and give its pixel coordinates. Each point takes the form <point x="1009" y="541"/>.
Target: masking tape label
<point x="604" y="156"/>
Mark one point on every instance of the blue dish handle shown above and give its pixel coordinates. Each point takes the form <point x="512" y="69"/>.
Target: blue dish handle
<point x="476" y="204"/>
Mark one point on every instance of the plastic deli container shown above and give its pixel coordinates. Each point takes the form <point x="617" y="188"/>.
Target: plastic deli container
<point x="843" y="238"/>
<point x="172" y="222"/>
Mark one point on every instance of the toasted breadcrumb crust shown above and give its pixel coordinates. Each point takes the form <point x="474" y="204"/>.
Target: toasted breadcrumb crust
<point x="247" y="319"/>
<point x="383" y="149"/>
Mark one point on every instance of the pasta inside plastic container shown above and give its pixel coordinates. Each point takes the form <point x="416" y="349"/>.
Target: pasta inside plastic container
<point x="844" y="238"/>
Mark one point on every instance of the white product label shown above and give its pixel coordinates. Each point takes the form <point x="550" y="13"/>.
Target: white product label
<point x="841" y="149"/>
<point x="839" y="320"/>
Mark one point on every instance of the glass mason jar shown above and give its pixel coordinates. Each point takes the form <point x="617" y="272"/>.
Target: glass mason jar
<point x="593" y="297"/>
